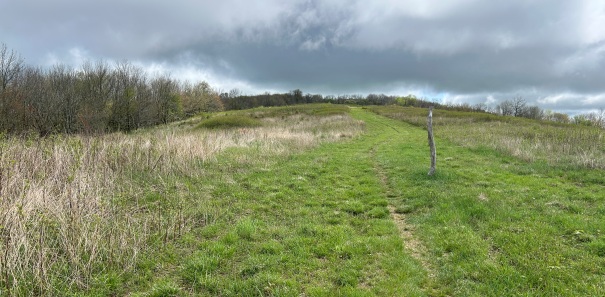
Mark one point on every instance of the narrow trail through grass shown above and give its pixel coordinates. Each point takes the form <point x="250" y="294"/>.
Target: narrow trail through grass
<point x="492" y="224"/>
<point x="303" y="205"/>
<point x="412" y="244"/>
<point x="315" y="223"/>
<point x="362" y="218"/>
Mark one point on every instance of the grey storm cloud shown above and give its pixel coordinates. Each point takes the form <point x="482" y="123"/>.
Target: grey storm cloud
<point x="551" y="52"/>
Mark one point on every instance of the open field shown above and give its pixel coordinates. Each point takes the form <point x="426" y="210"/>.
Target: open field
<point x="554" y="143"/>
<point x="498" y="225"/>
<point x="317" y="200"/>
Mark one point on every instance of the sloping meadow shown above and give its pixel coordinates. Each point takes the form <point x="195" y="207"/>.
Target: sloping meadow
<point x="75" y="209"/>
<point x="515" y="209"/>
<point x="530" y="140"/>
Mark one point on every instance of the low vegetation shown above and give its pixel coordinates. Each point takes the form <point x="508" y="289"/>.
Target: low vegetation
<point x="79" y="212"/>
<point x="493" y="224"/>
<point x="309" y="110"/>
<point x="557" y="144"/>
<point x="229" y="121"/>
<point x="318" y="200"/>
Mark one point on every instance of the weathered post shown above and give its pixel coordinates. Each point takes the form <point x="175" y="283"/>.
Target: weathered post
<point x="431" y="141"/>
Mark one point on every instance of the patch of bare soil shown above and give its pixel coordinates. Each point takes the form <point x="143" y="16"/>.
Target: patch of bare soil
<point x="406" y="231"/>
<point x="411" y="243"/>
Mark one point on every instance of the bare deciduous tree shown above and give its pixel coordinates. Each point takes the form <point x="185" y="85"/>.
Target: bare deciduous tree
<point x="62" y="82"/>
<point x="11" y="65"/>
<point x="165" y="102"/>
<point x="95" y="83"/>
<point x="129" y="82"/>
<point x="533" y="112"/>
<point x="33" y="87"/>
<point x="519" y="106"/>
<point x="233" y="93"/>
<point x="506" y="108"/>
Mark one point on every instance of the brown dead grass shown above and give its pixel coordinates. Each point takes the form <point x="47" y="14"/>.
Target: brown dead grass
<point x="58" y="218"/>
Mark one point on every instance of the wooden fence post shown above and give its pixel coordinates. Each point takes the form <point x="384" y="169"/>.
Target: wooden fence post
<point x="431" y="142"/>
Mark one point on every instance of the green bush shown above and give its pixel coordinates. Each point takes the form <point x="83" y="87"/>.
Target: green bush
<point x="230" y="121"/>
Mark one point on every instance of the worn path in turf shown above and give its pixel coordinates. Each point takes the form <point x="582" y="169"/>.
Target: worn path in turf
<point x="325" y="222"/>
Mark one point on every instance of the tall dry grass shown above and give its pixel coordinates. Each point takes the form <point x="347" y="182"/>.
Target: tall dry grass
<point x="55" y="223"/>
<point x="577" y="146"/>
<point x="62" y="216"/>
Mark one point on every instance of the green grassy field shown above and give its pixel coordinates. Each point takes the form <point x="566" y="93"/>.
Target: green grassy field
<point x="498" y="225"/>
<point x="313" y="201"/>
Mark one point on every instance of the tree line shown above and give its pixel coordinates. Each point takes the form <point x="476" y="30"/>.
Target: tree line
<point x="234" y="100"/>
<point x="94" y="98"/>
<point x="99" y="97"/>
<point x="516" y="107"/>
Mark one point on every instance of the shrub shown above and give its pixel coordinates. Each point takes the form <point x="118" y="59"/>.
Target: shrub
<point x="230" y="121"/>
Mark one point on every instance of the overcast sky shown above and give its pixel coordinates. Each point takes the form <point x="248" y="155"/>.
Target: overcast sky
<point x="550" y="52"/>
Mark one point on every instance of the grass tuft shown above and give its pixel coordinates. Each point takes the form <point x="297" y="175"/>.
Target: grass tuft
<point x="164" y="289"/>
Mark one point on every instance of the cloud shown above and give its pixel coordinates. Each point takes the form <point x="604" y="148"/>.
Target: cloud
<point x="574" y="101"/>
<point x="588" y="58"/>
<point x="313" y="44"/>
<point x="74" y="56"/>
<point x="475" y="50"/>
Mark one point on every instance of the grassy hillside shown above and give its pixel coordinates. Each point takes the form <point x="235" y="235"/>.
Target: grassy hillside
<point x="314" y="200"/>
<point x="83" y="213"/>
<point x="554" y="143"/>
<point x="495" y="224"/>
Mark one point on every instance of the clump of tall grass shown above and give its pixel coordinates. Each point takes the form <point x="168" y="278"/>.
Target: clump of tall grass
<point x="56" y="227"/>
<point x="531" y="140"/>
<point x="66" y="211"/>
